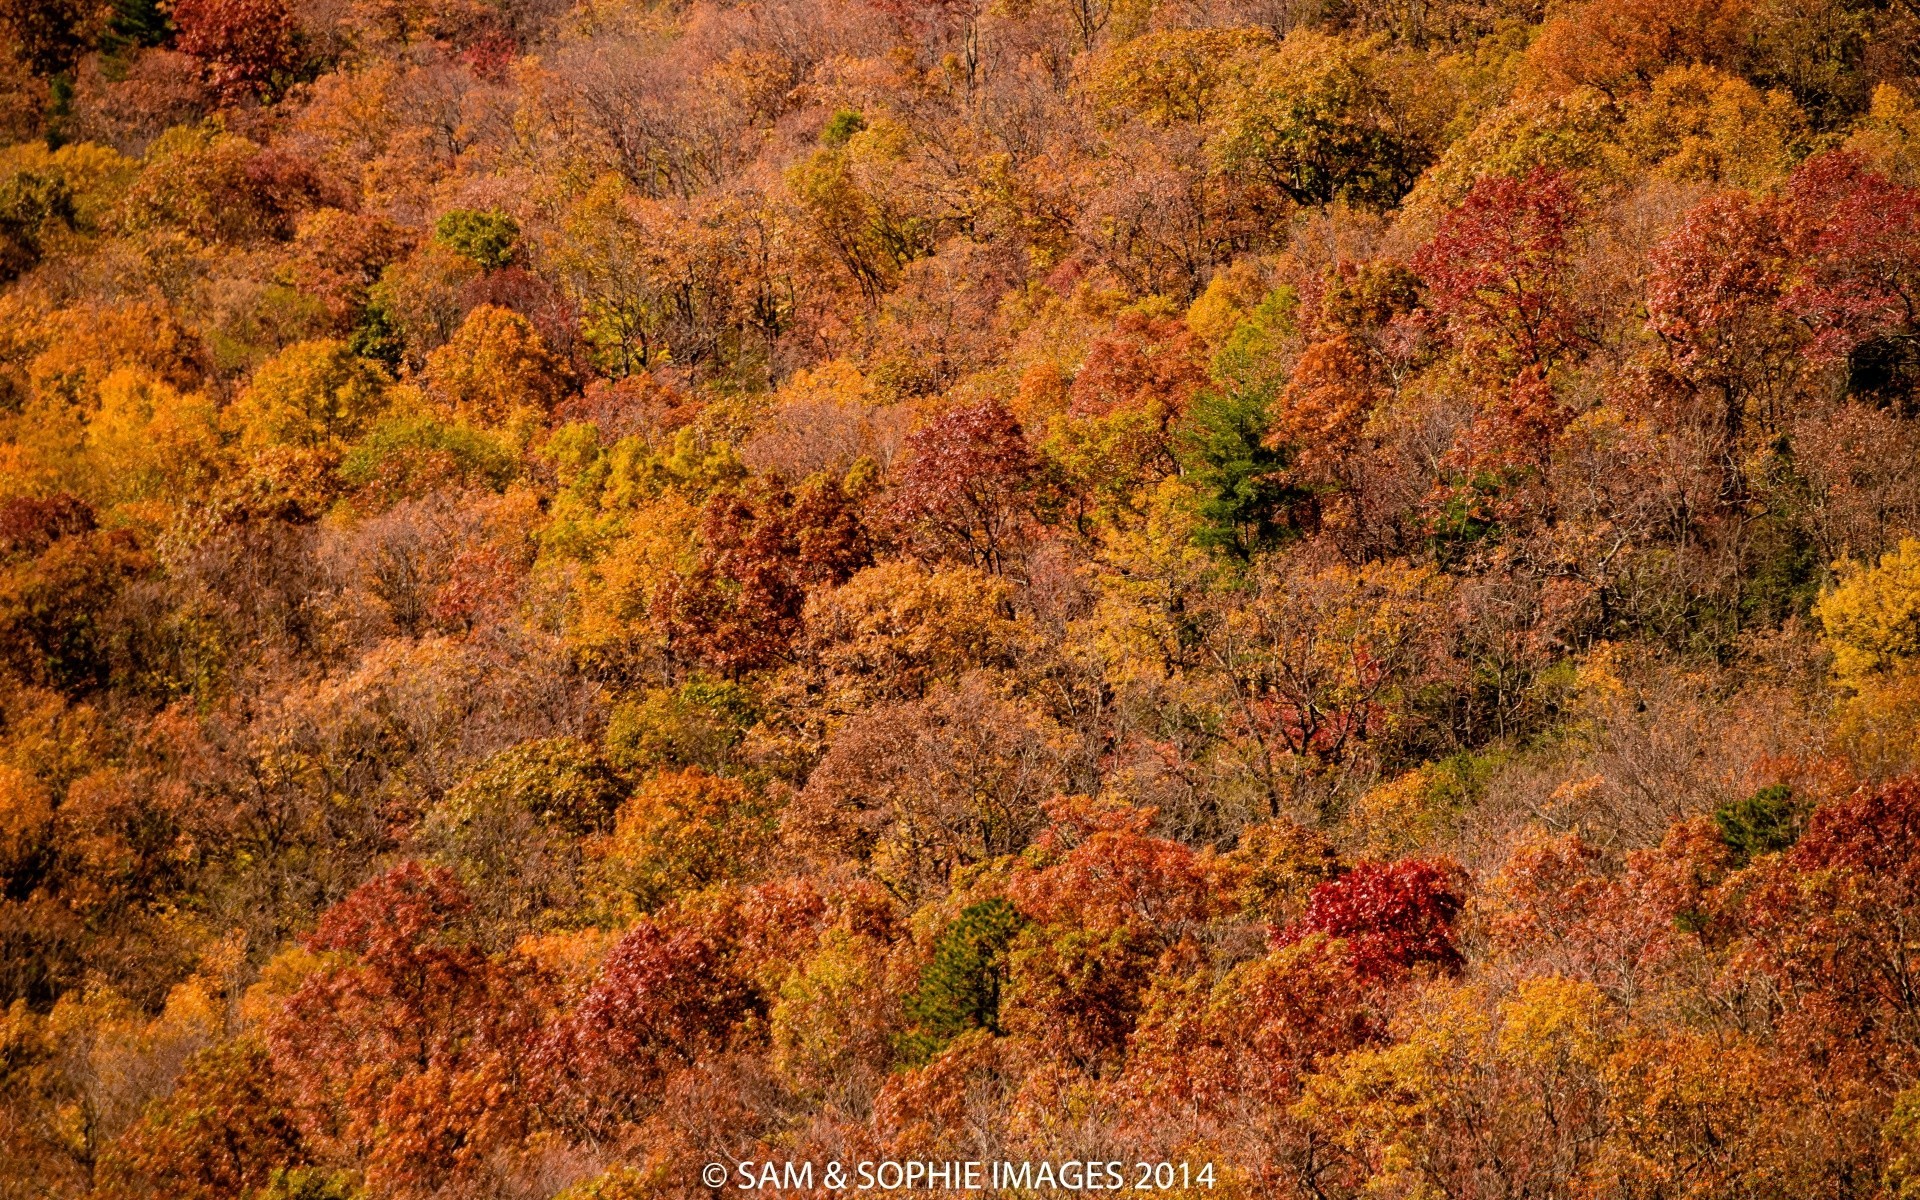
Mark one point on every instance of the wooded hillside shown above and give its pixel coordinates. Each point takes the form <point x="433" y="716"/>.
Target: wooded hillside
<point x="1324" y="587"/>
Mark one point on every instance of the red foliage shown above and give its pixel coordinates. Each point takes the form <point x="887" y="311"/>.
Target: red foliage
<point x="410" y="1053"/>
<point x="966" y="487"/>
<point x="483" y="586"/>
<point x="390" y="921"/>
<point x="29" y="525"/>
<point x="1497" y="272"/>
<point x="1393" y="916"/>
<point x="1713" y="294"/>
<point x="1144" y="364"/>
<point x="1833" y="924"/>
<point x="248" y="45"/>
<point x="761" y="551"/>
<point x="1858" y="233"/>
<point x="1729" y="258"/>
<point x="667" y="998"/>
<point x="1873" y="832"/>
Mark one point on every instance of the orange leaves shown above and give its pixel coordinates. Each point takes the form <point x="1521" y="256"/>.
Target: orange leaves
<point x="1619" y="45"/>
<point x="1328" y="399"/>
<point x="1552" y="908"/>
<point x="1110" y="902"/>
<point x="58" y="575"/>
<point x="1252" y="1037"/>
<point x="494" y="367"/>
<point x="1144" y="364"/>
<point x="919" y="788"/>
<point x="685" y="830"/>
<point x="1103" y="870"/>
<point x="227" y="1124"/>
<point x="408" y="1048"/>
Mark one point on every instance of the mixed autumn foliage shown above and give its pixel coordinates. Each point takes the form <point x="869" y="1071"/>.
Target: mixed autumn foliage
<point x="1329" y="588"/>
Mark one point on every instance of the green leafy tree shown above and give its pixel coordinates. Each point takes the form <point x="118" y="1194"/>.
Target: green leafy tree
<point x="487" y="237"/>
<point x="1769" y="820"/>
<point x="960" y="986"/>
<point x="1244" y="494"/>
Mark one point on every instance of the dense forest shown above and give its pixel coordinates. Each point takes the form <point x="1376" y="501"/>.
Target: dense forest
<point x="1326" y="592"/>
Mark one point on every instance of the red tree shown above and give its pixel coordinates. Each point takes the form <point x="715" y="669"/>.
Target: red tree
<point x="409" y="1050"/>
<point x="1713" y="295"/>
<point x="762" y="550"/>
<point x="967" y="485"/>
<point x="1833" y="923"/>
<point x="1497" y="272"/>
<point x="667" y="998"/>
<point x="1393" y="916"/>
<point x="1858" y="234"/>
<point x="249" y="46"/>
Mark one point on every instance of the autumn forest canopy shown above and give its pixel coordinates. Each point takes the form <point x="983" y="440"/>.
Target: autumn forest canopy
<point x="1329" y="588"/>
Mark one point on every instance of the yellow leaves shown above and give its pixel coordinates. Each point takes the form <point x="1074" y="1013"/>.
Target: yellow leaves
<point x="830" y="1026"/>
<point x="1325" y="117"/>
<point x="1275" y="868"/>
<point x="1889" y="135"/>
<point x="283" y="975"/>
<point x="311" y="395"/>
<point x="1402" y="814"/>
<point x="1173" y="76"/>
<point x="1139" y="626"/>
<point x="1872" y="623"/>
<point x="613" y="599"/>
<point x="1333" y="634"/>
<point x="1477" y="1084"/>
<point x="1901" y="1133"/>
<point x="1231" y="295"/>
<point x="94" y="176"/>
<point x="1572" y="132"/>
<point x="1555" y="1022"/>
<point x="111" y="1059"/>
<point x="1700" y="124"/>
<point x="150" y="443"/>
<point x="1872" y="618"/>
